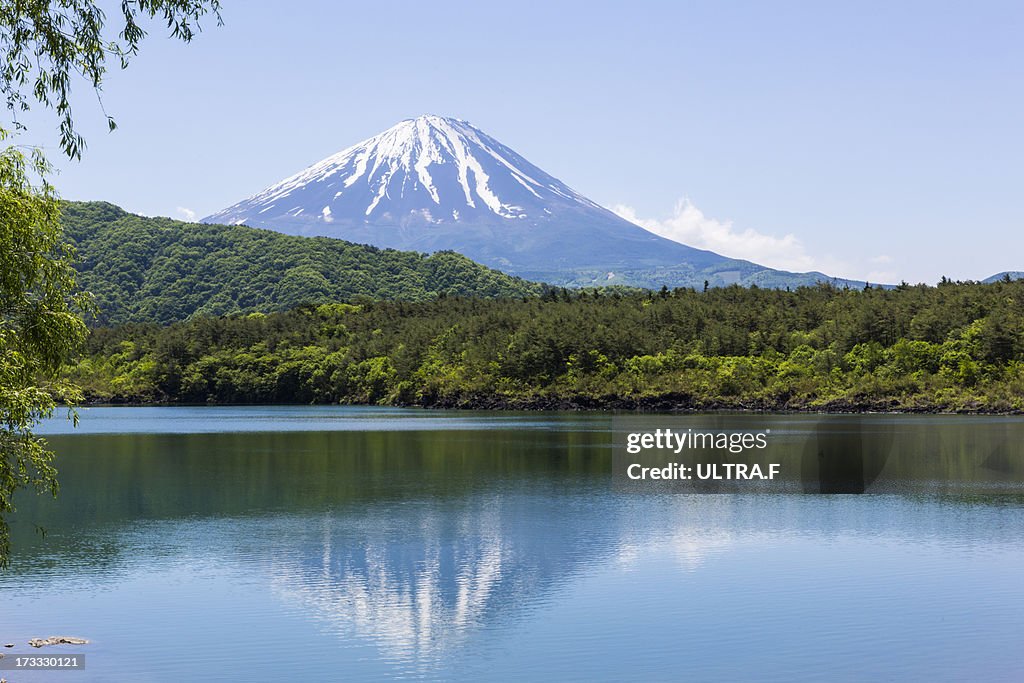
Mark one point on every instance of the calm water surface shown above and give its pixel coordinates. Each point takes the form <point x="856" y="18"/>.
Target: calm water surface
<point x="322" y="544"/>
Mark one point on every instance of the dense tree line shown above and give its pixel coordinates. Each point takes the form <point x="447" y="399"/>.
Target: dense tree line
<point x="163" y="270"/>
<point x="957" y="346"/>
<point x="45" y="49"/>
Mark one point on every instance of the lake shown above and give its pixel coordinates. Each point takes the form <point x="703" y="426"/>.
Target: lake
<point x="339" y="543"/>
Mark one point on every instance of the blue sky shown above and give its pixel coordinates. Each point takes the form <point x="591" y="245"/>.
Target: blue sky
<point x="870" y="140"/>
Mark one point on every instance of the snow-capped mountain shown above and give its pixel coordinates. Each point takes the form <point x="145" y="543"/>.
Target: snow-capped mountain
<point x="435" y="183"/>
<point x="427" y="170"/>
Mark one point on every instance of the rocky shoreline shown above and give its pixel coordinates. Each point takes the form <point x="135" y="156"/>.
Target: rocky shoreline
<point x="679" y="403"/>
<point x="666" y="403"/>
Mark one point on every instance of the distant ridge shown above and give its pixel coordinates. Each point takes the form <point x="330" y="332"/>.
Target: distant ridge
<point x="162" y="270"/>
<point x="1012" y="274"/>
<point x="435" y="183"/>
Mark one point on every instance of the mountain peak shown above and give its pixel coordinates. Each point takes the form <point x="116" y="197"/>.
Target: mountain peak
<point x="431" y="169"/>
<point x="439" y="183"/>
<point x="434" y="119"/>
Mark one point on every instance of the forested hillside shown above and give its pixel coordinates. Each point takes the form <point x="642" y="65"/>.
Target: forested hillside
<point x="163" y="270"/>
<point x="958" y="346"/>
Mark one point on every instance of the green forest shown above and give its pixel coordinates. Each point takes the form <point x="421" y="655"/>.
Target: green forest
<point x="951" y="347"/>
<point x="162" y="270"/>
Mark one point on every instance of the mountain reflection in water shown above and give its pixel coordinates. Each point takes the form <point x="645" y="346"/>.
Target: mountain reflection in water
<point x="488" y="552"/>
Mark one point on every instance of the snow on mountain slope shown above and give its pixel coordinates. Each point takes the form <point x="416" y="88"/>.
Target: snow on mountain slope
<point x="435" y="183"/>
<point x="431" y="168"/>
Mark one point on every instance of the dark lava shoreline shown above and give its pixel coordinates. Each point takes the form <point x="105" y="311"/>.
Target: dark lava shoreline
<point x="668" y="403"/>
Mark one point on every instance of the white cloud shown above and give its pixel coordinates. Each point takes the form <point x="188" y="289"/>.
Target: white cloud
<point x="882" y="277"/>
<point x="186" y="214"/>
<point x="883" y="272"/>
<point x="690" y="226"/>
